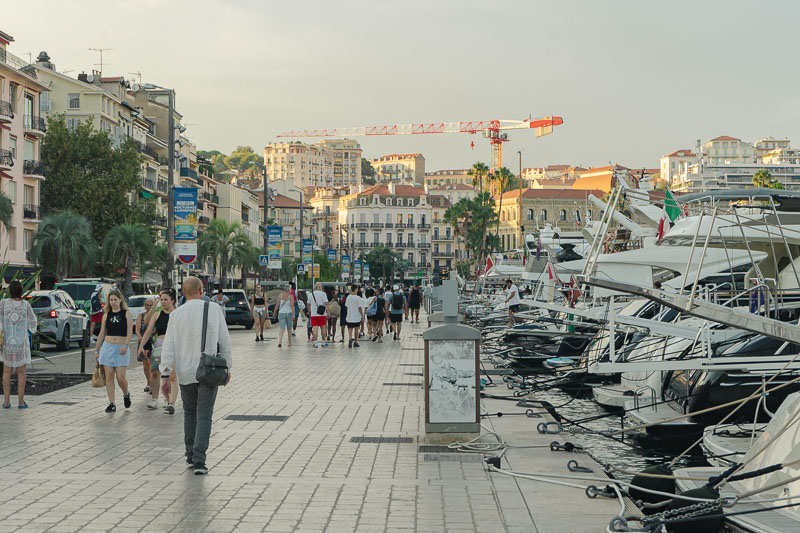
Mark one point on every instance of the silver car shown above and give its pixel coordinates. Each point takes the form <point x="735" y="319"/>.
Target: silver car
<point x="60" y="320"/>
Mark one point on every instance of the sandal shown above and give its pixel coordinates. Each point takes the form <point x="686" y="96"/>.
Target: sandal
<point x="6" y="406"/>
<point x="23" y="406"/>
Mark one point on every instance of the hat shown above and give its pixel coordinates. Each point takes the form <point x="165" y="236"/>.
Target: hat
<point x="396" y="287"/>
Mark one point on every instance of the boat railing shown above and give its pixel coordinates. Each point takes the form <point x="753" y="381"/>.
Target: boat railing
<point x="640" y="390"/>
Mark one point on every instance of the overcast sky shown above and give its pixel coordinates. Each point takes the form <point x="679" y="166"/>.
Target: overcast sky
<point x="633" y="80"/>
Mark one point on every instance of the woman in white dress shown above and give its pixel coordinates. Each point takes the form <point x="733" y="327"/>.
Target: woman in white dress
<point x="16" y="320"/>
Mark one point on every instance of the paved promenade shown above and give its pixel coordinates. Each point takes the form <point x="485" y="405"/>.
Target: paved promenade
<point x="66" y="465"/>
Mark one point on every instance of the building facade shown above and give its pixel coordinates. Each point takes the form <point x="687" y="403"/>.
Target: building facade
<point x="325" y="205"/>
<point x="285" y="212"/>
<point x="454" y="191"/>
<point x="731" y="176"/>
<point x="402" y="168"/>
<point x="448" y="177"/>
<point x="328" y="163"/>
<point x="21" y="171"/>
<point x="446" y="251"/>
<point x="767" y="145"/>
<point x="726" y="150"/>
<point x="675" y="163"/>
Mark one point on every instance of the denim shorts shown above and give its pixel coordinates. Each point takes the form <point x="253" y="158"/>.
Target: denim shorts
<point x="285" y="320"/>
<point x="110" y="356"/>
<point x="155" y="355"/>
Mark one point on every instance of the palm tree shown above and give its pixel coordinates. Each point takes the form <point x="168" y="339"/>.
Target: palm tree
<point x="63" y="242"/>
<point x="127" y="245"/>
<point x="218" y="241"/>
<point x="478" y="172"/>
<point x="158" y="263"/>
<point x="246" y="257"/>
<point x="6" y="209"/>
<point x="456" y="215"/>
<point x="501" y="177"/>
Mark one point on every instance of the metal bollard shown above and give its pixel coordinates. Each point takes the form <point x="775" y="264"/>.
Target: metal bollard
<point x="84" y="342"/>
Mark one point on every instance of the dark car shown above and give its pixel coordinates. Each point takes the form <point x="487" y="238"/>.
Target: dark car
<point x="237" y="310"/>
<point x="60" y="320"/>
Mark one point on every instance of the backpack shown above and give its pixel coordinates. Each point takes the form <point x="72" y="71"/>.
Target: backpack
<point x="397" y="301"/>
<point x="95" y="302"/>
<point x="372" y="309"/>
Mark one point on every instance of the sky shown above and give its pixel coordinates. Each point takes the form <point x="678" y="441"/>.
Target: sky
<point x="633" y="80"/>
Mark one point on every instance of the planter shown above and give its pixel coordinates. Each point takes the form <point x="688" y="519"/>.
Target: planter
<point x="36" y="384"/>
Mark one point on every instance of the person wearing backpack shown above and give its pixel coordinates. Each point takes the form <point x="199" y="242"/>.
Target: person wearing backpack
<point x="371" y="309"/>
<point x="343" y="313"/>
<point x="395" y="309"/>
<point x="414" y="303"/>
<point x="377" y="319"/>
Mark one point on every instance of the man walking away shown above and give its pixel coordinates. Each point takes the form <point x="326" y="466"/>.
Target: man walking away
<point x="414" y="303"/>
<point x="512" y="300"/>
<point x="397" y="305"/>
<point x="318" y="301"/>
<point x="181" y="354"/>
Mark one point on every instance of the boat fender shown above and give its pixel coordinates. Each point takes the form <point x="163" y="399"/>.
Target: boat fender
<point x="652" y="483"/>
<point x="709" y="521"/>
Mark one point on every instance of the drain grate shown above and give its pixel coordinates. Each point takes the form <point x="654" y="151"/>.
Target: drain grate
<point x="403" y="384"/>
<point x="431" y="448"/>
<point x="420" y="374"/>
<point x="382" y="440"/>
<point x="60" y="403"/>
<point x="257" y="418"/>
<point x="411" y="364"/>
<point x="453" y="458"/>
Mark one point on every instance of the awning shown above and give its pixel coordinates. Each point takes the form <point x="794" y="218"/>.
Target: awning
<point x="150" y="278"/>
<point x="146" y="194"/>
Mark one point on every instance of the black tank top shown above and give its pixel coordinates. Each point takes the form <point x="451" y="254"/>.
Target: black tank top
<point x="258" y="301"/>
<point x="161" y="323"/>
<point x="117" y="323"/>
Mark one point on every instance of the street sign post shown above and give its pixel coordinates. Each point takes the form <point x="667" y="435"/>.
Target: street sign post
<point x="301" y="268"/>
<point x="263" y="260"/>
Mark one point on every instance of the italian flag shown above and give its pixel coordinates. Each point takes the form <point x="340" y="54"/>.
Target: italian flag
<point x="671" y="212"/>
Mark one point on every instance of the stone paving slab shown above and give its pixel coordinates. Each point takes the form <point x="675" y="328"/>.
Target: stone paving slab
<point x="75" y="467"/>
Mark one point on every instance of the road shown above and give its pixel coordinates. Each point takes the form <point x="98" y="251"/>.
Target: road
<point x="69" y="362"/>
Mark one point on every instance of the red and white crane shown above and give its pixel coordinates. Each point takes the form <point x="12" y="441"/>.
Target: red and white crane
<point x="494" y="130"/>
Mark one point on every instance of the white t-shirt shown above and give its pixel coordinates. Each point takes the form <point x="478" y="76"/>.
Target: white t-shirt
<point x="353" y="304"/>
<point x="514" y="293"/>
<point x="387" y="297"/>
<point x="315" y="299"/>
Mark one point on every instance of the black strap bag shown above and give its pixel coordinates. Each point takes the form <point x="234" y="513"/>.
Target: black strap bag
<point x="213" y="369"/>
<point x="321" y="309"/>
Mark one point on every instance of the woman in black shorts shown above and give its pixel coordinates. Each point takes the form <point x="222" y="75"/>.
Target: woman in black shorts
<point x="379" y="316"/>
<point x="414" y="302"/>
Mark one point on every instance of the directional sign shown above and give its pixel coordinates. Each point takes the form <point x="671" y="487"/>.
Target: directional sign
<point x="263" y="260"/>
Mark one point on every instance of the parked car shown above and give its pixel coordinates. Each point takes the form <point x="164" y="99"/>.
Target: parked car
<point x="237" y="310"/>
<point x="60" y="320"/>
<point x="136" y="304"/>
<point x="81" y="291"/>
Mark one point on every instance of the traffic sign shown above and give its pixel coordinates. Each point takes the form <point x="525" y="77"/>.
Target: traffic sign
<point x="263" y="260"/>
<point x="301" y="268"/>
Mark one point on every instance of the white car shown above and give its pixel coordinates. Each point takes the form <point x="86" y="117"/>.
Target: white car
<point x="136" y="304"/>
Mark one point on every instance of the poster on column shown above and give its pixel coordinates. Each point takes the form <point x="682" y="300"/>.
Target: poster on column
<point x="345" y="266"/>
<point x="307" y="246"/>
<point x="357" y="268"/>
<point x="185" y="219"/>
<point x="274" y="238"/>
<point x="332" y="255"/>
<point x="366" y="271"/>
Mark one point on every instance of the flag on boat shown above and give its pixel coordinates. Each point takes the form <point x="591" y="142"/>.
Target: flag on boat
<point x="551" y="272"/>
<point x="489" y="262"/>
<point x="574" y="292"/>
<point x="671" y="207"/>
<point x="538" y="247"/>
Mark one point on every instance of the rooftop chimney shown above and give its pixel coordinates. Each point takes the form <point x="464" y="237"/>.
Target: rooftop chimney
<point x="83" y="77"/>
<point x="391" y="188"/>
<point x="43" y="60"/>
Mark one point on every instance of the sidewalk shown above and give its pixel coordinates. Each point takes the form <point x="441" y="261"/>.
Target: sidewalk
<point x="66" y="465"/>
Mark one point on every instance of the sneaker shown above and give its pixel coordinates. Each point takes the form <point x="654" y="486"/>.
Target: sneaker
<point x="394" y="337"/>
<point x="170" y="409"/>
<point x="257" y="339"/>
<point x="111" y="408"/>
<point x="189" y="462"/>
<point x="316" y="345"/>
<point x="127" y="400"/>
<point x="147" y="389"/>
<point x="152" y="404"/>
<point x="380" y="340"/>
<point x="374" y="338"/>
<point x="324" y="344"/>
<point x="279" y="345"/>
<point x="293" y="334"/>
<point x="350" y="343"/>
<point x="200" y="469"/>
<point x="356" y="345"/>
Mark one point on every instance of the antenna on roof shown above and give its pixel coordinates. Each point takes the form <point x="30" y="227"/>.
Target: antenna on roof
<point x="138" y="74"/>
<point x="101" y="50"/>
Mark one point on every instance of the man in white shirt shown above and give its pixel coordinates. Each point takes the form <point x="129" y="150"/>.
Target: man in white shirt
<point x="318" y="301"/>
<point x="512" y="300"/>
<point x="181" y="354"/>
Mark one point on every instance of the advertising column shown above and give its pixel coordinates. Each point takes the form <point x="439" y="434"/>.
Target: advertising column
<point x="274" y="239"/>
<point x="185" y="208"/>
<point x="345" y="266"/>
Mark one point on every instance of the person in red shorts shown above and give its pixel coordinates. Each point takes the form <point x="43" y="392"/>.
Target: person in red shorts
<point x="96" y="302"/>
<point x="318" y="302"/>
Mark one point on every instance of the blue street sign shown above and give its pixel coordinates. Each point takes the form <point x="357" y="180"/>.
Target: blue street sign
<point x="263" y="260"/>
<point x="301" y="268"/>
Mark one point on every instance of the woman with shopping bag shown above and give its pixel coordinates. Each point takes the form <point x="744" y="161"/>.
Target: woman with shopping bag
<point x="17" y="322"/>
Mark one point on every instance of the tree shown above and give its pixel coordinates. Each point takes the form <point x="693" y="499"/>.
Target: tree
<point x="502" y="177"/>
<point x="288" y="268"/>
<point x="158" y="262"/>
<point x="64" y="244"/>
<point x="86" y="175"/>
<point x="218" y="242"/>
<point x="246" y="257"/>
<point x="125" y="246"/>
<point x="367" y="170"/>
<point x="478" y="172"/>
<point x="512" y="183"/>
<point x="762" y="178"/>
<point x="382" y="262"/>
<point x="472" y="218"/>
<point x="6" y="210"/>
<point x="242" y="159"/>
<point x="457" y="215"/>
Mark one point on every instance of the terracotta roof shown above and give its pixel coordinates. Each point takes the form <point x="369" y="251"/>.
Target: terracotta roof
<point x="555" y="181"/>
<point x="557" y="167"/>
<point x="397" y="156"/>
<point x="382" y="189"/>
<point x="604" y="169"/>
<point x="115" y="78"/>
<point x="438" y="201"/>
<point x="725" y="138"/>
<point x="604" y="182"/>
<point x="452" y="187"/>
<point x="552" y="194"/>
<point x="681" y="153"/>
<point x="281" y="201"/>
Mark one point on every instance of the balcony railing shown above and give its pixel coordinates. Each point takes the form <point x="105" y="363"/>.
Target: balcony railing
<point x="361" y="225"/>
<point x="423" y="264"/>
<point x="388" y="244"/>
<point x="33" y="168"/>
<point x="424" y="226"/>
<point x="6" y="159"/>
<point x="189" y="173"/>
<point x="400" y="245"/>
<point x="144" y="149"/>
<point x="35" y="123"/>
<point x="149" y="184"/>
<point x="389" y="225"/>
<point x="376" y="225"/>
<point x="31" y="212"/>
<point x="209" y="197"/>
<point x="442" y="254"/>
<point x="423" y="245"/>
<point x="399" y="225"/>
<point x="6" y="110"/>
<point x="162" y="186"/>
<point x="202" y="219"/>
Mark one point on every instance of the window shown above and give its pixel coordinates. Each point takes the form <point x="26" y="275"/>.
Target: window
<point x="44" y="102"/>
<point x="399" y="218"/>
<point x="29" y="155"/>
<point x="530" y="214"/>
<point x="12" y="238"/>
<point x="562" y="216"/>
<point x="286" y="248"/>
<point x="12" y="191"/>
<point x="411" y="258"/>
<point x="411" y="239"/>
<point x="410" y="220"/>
<point x="388" y="201"/>
<point x="447" y="232"/>
<point x="362" y="217"/>
<point x="543" y="215"/>
<point x="376" y="218"/>
<point x="74" y="100"/>
<point x="27" y="239"/>
<point x="103" y="104"/>
<point x="388" y="238"/>
<point x="363" y="236"/>
<point x="12" y="95"/>
<point x="388" y="218"/>
<point x="72" y="123"/>
<point x="362" y="201"/>
<point x="376" y="237"/>
<point x="29" y="196"/>
<point x="12" y="146"/>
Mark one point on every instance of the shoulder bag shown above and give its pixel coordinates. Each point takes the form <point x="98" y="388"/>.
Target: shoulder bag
<point x="320" y="308"/>
<point x="213" y="369"/>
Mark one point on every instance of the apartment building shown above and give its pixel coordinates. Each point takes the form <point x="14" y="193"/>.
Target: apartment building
<point x="242" y="206"/>
<point x="781" y="156"/>
<point x="675" y="163"/>
<point x="731" y="176"/>
<point x="445" y="250"/>
<point x="325" y="205"/>
<point x="328" y="163"/>
<point x="551" y="176"/>
<point x="565" y="209"/>
<point x="398" y="216"/>
<point x="404" y="168"/>
<point x="454" y="191"/>
<point x="767" y="145"/>
<point x="726" y="150"/>
<point x="448" y="177"/>
<point x="285" y="212"/>
<point x="21" y="172"/>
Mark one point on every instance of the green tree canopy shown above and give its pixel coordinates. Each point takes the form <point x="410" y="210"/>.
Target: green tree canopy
<point x="471" y="219"/>
<point x="367" y="170"/>
<point x="762" y="178"/>
<point x="126" y="246"/>
<point x="6" y="209"/>
<point x="242" y="159"/>
<point x="479" y="172"/>
<point x="218" y="241"/>
<point x="382" y="262"/>
<point x="63" y="245"/>
<point x="89" y="177"/>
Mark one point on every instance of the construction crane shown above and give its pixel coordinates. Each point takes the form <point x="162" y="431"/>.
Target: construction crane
<point x="494" y="130"/>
